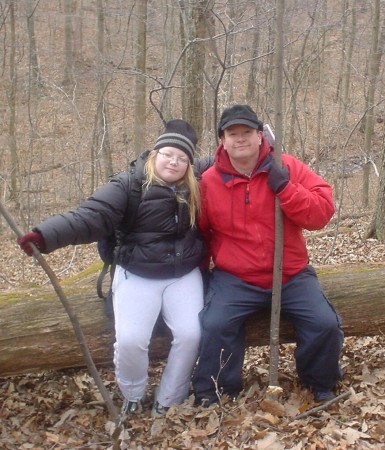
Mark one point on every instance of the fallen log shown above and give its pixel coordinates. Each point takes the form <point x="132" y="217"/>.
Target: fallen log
<point x="36" y="334"/>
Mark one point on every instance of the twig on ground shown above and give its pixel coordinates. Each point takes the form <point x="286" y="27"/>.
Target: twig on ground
<point x="215" y="380"/>
<point x="325" y="405"/>
<point x="6" y="279"/>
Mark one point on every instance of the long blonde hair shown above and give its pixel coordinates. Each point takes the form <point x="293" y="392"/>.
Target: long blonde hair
<point x="188" y="180"/>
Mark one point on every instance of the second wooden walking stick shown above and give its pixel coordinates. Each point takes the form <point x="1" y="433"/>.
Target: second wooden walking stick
<point x="71" y="314"/>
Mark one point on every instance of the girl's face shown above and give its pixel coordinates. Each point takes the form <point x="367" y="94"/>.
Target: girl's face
<point x="171" y="164"/>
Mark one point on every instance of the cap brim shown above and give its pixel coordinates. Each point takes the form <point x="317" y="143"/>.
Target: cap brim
<point x="249" y="123"/>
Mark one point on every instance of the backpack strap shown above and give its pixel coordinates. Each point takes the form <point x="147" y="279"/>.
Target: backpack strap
<point x="99" y="281"/>
<point x="133" y="200"/>
<point x="135" y="195"/>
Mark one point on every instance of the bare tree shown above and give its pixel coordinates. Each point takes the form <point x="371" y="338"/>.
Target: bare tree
<point x="377" y="226"/>
<point x="251" y="92"/>
<point x="12" y="88"/>
<point x="101" y="140"/>
<point x="296" y="72"/>
<point x="374" y="66"/>
<point x="68" y="79"/>
<point x="170" y="47"/>
<point x="140" y="79"/>
<point x="214" y="72"/>
<point x="345" y="31"/>
<point x="192" y="101"/>
<point x="78" y="9"/>
<point x="321" y="86"/>
<point x="35" y="77"/>
<point x="348" y="40"/>
<point x="227" y="93"/>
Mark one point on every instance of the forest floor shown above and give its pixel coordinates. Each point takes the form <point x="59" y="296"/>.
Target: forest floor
<point x="64" y="409"/>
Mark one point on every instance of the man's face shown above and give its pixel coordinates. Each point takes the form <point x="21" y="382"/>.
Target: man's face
<point x="242" y="142"/>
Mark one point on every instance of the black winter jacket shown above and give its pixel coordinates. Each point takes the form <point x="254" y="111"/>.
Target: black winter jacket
<point x="161" y="243"/>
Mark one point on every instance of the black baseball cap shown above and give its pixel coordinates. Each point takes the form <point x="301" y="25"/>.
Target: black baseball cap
<point x="239" y="115"/>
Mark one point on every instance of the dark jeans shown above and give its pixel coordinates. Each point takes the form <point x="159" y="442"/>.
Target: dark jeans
<point x="230" y="301"/>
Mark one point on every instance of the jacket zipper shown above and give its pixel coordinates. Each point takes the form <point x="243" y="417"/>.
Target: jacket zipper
<point x="247" y="198"/>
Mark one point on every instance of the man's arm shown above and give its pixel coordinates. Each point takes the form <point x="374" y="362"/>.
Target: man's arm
<point x="307" y="199"/>
<point x="202" y="164"/>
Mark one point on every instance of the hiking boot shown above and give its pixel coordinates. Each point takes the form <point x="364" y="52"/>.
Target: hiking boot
<point x="158" y="410"/>
<point x="206" y="402"/>
<point x="323" y="396"/>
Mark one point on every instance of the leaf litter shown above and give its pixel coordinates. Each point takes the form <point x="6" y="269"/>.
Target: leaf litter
<point x="63" y="410"/>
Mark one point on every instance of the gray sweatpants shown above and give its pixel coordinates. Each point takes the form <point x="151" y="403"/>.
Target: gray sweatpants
<point x="137" y="304"/>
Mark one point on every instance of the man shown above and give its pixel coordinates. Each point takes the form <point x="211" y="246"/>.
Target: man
<point x="237" y="221"/>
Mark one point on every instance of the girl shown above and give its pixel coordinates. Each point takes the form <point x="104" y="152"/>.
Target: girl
<point x="156" y="262"/>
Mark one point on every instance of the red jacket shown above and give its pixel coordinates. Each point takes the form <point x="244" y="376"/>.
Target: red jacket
<point x="238" y="216"/>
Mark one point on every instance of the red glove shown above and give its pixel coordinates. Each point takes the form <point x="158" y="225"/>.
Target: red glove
<point x="34" y="237"/>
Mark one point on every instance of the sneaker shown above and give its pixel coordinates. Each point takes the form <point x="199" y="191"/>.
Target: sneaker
<point x="158" y="410"/>
<point x="323" y="396"/>
<point x="128" y="408"/>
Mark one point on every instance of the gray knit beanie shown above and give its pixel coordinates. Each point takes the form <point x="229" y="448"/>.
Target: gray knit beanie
<point x="179" y="134"/>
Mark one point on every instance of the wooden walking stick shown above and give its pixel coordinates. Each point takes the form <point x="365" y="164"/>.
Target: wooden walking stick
<point x="71" y="314"/>
<point x="274" y="389"/>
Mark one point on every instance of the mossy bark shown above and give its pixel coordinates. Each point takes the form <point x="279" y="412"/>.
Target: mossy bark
<point x="36" y="333"/>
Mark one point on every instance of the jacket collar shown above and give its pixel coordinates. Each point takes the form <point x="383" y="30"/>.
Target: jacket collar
<point x="223" y="164"/>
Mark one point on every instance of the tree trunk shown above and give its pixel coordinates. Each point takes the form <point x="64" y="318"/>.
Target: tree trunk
<point x="68" y="79"/>
<point x="377" y="226"/>
<point x="35" y="76"/>
<point x="374" y="66"/>
<point x="252" y="92"/>
<point x="170" y="50"/>
<point x="11" y="94"/>
<point x="321" y="89"/>
<point x="36" y="334"/>
<point x="140" y="79"/>
<point x="192" y="94"/>
<point x="344" y="96"/>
